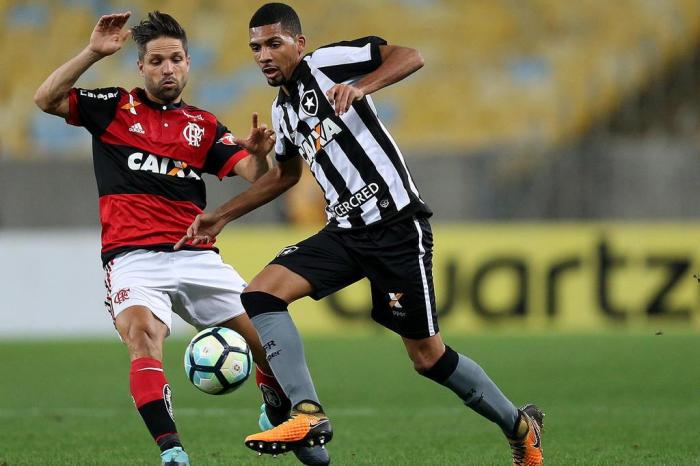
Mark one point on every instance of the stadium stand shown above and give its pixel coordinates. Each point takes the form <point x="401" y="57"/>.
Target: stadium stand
<point x="498" y="74"/>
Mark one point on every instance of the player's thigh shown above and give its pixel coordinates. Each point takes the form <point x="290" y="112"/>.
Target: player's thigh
<point x="316" y="267"/>
<point x="142" y="280"/>
<point x="281" y="282"/>
<point x="400" y="274"/>
<point x="209" y="290"/>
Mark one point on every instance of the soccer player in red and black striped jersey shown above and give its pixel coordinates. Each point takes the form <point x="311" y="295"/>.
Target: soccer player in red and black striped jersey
<point x="150" y="150"/>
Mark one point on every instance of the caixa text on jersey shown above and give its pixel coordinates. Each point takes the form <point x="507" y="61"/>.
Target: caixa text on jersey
<point x="160" y="165"/>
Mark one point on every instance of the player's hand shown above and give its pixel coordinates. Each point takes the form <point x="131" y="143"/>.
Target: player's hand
<point x="260" y="140"/>
<point x="341" y="96"/>
<point x="108" y="36"/>
<point x="202" y="231"/>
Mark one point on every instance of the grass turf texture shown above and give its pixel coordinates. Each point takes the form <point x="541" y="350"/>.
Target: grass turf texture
<point x="611" y="399"/>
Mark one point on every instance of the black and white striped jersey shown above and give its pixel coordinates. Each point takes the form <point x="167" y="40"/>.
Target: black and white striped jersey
<point x="353" y="157"/>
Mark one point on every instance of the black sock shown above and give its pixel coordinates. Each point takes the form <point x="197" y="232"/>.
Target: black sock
<point x="160" y="425"/>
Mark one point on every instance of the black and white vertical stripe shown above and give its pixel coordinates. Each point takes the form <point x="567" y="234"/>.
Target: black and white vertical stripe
<point x="362" y="154"/>
<point x="426" y="275"/>
<point x="108" y="287"/>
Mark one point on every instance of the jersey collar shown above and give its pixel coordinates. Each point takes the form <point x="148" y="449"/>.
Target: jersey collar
<point x="301" y="69"/>
<point x="155" y="105"/>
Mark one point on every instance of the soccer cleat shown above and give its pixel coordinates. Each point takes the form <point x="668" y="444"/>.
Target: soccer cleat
<point x="271" y="416"/>
<point x="307" y="426"/>
<point x="313" y="456"/>
<point x="264" y="419"/>
<point x="175" y="456"/>
<point x="310" y="456"/>
<point x="526" y="443"/>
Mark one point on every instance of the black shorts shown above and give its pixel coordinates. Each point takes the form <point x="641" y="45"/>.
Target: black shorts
<point x="397" y="259"/>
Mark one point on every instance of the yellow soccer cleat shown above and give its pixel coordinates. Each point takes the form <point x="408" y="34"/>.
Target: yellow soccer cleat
<point x="527" y="445"/>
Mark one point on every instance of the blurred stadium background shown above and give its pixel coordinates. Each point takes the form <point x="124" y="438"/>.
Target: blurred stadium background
<point x="558" y="143"/>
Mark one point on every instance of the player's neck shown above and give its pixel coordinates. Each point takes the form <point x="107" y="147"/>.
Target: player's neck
<point x="291" y="80"/>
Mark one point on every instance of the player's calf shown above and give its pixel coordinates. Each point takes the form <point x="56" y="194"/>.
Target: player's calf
<point x="475" y="388"/>
<point x="153" y="399"/>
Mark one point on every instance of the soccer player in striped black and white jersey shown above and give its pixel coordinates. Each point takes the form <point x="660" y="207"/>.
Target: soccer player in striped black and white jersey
<point x="377" y="227"/>
<point x="351" y="154"/>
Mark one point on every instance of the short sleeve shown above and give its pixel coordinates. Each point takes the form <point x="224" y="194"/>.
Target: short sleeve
<point x="93" y="108"/>
<point x="224" y="154"/>
<point x="346" y="60"/>
<point x="284" y="148"/>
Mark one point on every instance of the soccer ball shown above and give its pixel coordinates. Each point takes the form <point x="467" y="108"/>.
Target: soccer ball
<point x="218" y="360"/>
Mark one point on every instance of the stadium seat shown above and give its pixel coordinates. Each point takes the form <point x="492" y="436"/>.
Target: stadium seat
<point x="498" y="73"/>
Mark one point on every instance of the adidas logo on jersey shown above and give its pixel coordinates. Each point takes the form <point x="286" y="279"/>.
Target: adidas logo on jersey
<point x="137" y="128"/>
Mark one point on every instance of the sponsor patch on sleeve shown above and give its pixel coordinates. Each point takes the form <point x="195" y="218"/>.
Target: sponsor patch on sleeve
<point x="227" y="139"/>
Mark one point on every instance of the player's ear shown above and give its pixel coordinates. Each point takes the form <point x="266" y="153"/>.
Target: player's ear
<point x="139" y="63"/>
<point x="301" y="43"/>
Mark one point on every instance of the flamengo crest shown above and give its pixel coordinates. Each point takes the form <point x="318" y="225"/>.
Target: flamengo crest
<point x="193" y="134"/>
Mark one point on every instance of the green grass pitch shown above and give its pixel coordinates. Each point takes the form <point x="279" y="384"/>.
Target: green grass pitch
<point x="614" y="399"/>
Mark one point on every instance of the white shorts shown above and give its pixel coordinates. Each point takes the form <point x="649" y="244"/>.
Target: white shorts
<point x="196" y="285"/>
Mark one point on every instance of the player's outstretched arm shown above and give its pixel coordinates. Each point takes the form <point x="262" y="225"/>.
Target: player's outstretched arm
<point x="107" y="38"/>
<point x="259" y="143"/>
<point x="397" y="63"/>
<point x="279" y="179"/>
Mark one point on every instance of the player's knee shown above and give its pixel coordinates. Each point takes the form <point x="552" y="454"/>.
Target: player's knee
<point x="424" y="355"/>
<point x="438" y="368"/>
<point x="143" y="339"/>
<point x="259" y="302"/>
<point x="422" y="363"/>
<point x="420" y="366"/>
<point x="142" y="344"/>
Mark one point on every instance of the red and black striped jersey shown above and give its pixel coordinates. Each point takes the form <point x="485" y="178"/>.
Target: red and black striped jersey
<point x="149" y="159"/>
